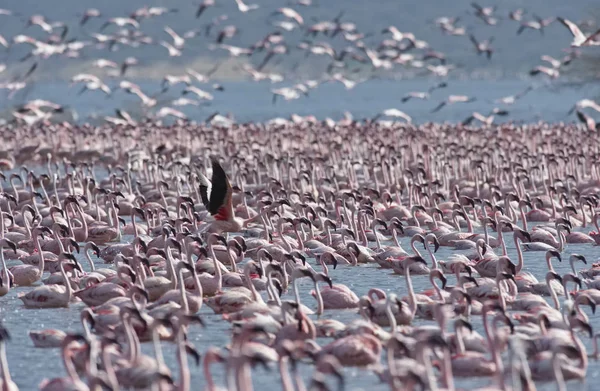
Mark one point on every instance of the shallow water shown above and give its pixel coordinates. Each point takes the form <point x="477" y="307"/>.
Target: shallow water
<point x="30" y="365"/>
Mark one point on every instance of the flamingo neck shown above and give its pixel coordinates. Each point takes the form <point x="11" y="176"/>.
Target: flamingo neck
<point x="501" y="298"/>
<point x="116" y="222"/>
<point x="296" y="291"/>
<point x="89" y="259"/>
<point x="412" y="246"/>
<point x="83" y="222"/>
<point x="184" y="301"/>
<point x="412" y="300"/>
<point x="14" y="188"/>
<point x="523" y="218"/>
<point x="301" y="238"/>
<point x="486" y="235"/>
<point x="377" y="241"/>
<point x="361" y="227"/>
<point x="553" y="208"/>
<point x="438" y="290"/>
<point x="184" y="372"/>
<point x="432" y="255"/>
<point x="244" y="377"/>
<point x="110" y="370"/>
<point x="554" y="295"/>
<point x="131" y="340"/>
<point x="390" y="316"/>
<point x="170" y="266"/>
<point x="447" y="376"/>
<point x="287" y="244"/>
<point x="325" y="268"/>
<point x="5" y="275"/>
<point x="583" y="358"/>
<point x="26" y="220"/>
<point x="255" y="295"/>
<point x="433" y="217"/>
<point x="218" y="273"/>
<point x="425" y="357"/>
<point x="469" y="222"/>
<point x="460" y="343"/>
<point x="510" y="210"/>
<point x="286" y="380"/>
<point x="489" y="334"/>
<point x="549" y="264"/>
<point x="68" y="218"/>
<point x="580" y="312"/>
<point x="68" y="288"/>
<point x="501" y="238"/>
<point x="320" y="306"/>
<point x="210" y="383"/>
<point x="158" y="352"/>
<point x="232" y="262"/>
<point x="395" y="237"/>
<point x="57" y="238"/>
<point x="69" y="366"/>
<point x="134" y="224"/>
<point x="4" y="366"/>
<point x="520" y="262"/>
<point x="273" y="292"/>
<point x="561" y="242"/>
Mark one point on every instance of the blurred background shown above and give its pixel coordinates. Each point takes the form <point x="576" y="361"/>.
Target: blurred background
<point x="329" y="51"/>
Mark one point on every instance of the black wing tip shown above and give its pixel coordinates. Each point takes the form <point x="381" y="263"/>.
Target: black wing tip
<point x="220" y="187"/>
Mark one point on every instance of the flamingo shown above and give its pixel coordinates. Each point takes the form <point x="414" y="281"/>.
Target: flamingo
<point x="7" y="383"/>
<point x="24" y="275"/>
<point x="6" y="277"/>
<point x="335" y="296"/>
<point x="52" y="296"/>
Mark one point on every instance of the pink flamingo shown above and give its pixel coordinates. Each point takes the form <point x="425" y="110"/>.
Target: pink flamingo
<point x="25" y="275"/>
<point x="49" y="338"/>
<point x="6" y="383"/>
<point x="213" y="284"/>
<point x="596" y="234"/>
<point x="72" y="381"/>
<point x="52" y="296"/>
<point x="220" y="203"/>
<point x="6" y="277"/>
<point x="335" y="296"/>
<point x="359" y="350"/>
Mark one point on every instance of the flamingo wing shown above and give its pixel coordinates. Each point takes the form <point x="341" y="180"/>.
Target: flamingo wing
<point x="219" y="203"/>
<point x="592" y="38"/>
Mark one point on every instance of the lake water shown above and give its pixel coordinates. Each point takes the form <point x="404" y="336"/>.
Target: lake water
<point x="486" y="80"/>
<point x="29" y="365"/>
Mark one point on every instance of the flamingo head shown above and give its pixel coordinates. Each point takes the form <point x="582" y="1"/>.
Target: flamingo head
<point x="460" y="322"/>
<point x="554" y="253"/>
<point x="10" y="243"/>
<point x="191" y="350"/>
<point x="522" y="234"/>
<point x="578" y="257"/>
<point x="582" y="324"/>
